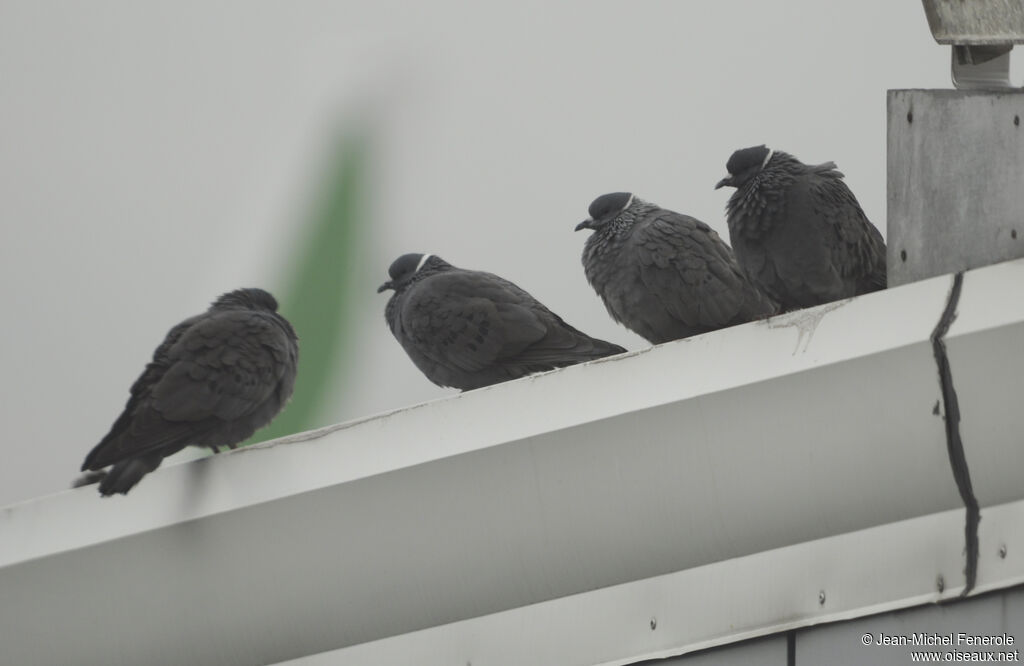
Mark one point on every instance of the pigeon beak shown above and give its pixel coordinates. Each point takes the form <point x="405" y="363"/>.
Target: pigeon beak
<point x="585" y="224"/>
<point x="725" y="181"/>
<point x="384" y="287"/>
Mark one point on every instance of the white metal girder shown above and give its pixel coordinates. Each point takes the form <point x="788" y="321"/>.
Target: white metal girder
<point x="668" y="461"/>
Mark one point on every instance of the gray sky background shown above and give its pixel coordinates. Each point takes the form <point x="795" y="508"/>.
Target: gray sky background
<point x="153" y="156"/>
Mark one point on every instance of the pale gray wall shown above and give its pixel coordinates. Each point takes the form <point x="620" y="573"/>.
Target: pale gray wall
<point x="153" y="155"/>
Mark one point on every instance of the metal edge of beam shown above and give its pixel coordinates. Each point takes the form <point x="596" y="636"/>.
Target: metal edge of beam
<point x="474" y="420"/>
<point x="826" y="580"/>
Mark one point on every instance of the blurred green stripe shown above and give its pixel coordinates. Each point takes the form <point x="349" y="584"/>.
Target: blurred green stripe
<point x="318" y="299"/>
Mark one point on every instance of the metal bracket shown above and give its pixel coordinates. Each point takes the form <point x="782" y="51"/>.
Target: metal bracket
<point x="982" y="33"/>
<point x="984" y="66"/>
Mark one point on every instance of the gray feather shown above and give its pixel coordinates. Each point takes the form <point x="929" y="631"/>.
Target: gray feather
<point x="467" y="329"/>
<point x="665" y="275"/>
<point x="216" y="378"/>
<point x="798" y="230"/>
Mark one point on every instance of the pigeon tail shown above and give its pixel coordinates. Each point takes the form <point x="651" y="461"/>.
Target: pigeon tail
<point x="603" y="349"/>
<point x="123" y="476"/>
<point x="89" y="478"/>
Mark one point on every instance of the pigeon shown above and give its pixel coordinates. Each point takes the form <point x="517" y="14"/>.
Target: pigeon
<point x="665" y="275"/>
<point x="798" y="231"/>
<point x="216" y="378"/>
<point x="467" y="329"/>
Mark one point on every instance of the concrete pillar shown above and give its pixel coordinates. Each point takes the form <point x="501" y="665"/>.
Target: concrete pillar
<point x="955" y="181"/>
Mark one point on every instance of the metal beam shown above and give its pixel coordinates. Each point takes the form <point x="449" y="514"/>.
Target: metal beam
<point x="665" y="461"/>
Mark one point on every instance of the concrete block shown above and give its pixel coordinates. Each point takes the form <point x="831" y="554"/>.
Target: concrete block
<point x="955" y="181"/>
<point x="976" y="22"/>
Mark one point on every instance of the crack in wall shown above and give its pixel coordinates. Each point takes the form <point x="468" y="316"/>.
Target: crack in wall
<point x="954" y="443"/>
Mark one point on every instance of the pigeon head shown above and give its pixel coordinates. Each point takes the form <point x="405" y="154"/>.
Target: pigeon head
<point x="744" y="165"/>
<point x="246" y="299"/>
<point x="409" y="267"/>
<point x="606" y="208"/>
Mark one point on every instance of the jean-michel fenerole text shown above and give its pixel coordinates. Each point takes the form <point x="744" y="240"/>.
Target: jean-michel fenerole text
<point x="961" y="638"/>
